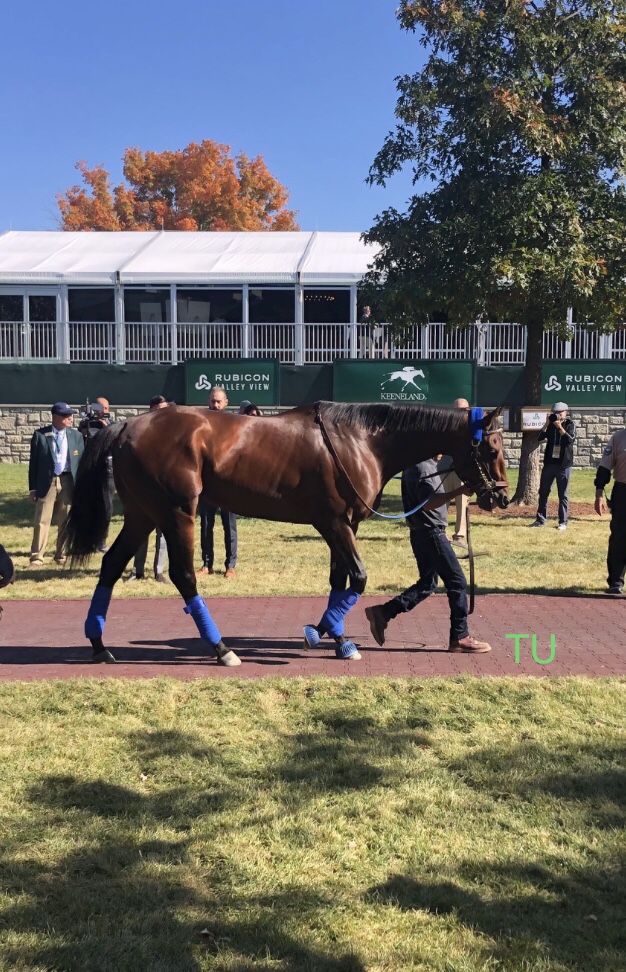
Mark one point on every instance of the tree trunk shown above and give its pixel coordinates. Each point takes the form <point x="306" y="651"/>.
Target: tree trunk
<point x="528" y="482"/>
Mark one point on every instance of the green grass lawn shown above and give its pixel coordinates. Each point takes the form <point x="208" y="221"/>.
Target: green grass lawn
<point x="288" y="559"/>
<point x="313" y="825"/>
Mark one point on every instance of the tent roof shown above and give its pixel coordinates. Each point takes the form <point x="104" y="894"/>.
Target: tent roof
<point x="322" y="259"/>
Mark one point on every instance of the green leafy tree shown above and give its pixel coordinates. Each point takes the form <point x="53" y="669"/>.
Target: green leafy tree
<point x="519" y="119"/>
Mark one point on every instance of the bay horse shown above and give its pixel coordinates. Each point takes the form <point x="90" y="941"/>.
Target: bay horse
<point x="325" y="464"/>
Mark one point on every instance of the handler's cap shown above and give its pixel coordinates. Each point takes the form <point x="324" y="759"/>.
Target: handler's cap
<point x="244" y="406"/>
<point x="62" y="408"/>
<point x="560" y="407"/>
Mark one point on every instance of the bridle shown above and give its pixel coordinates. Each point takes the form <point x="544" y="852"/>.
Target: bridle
<point x="486" y="483"/>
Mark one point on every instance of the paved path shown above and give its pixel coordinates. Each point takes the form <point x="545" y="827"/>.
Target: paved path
<point x="43" y="639"/>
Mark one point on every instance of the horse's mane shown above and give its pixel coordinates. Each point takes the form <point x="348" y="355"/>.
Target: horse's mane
<point x="395" y="418"/>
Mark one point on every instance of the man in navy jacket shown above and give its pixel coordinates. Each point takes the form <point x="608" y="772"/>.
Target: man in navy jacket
<point x="55" y="451"/>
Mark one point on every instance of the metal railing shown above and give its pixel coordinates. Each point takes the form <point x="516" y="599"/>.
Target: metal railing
<point x="92" y="342"/>
<point x="166" y="343"/>
<point x="28" y="341"/>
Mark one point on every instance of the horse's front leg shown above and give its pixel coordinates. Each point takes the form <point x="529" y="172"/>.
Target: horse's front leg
<point x="135" y="531"/>
<point x="346" y="565"/>
<point x="178" y="528"/>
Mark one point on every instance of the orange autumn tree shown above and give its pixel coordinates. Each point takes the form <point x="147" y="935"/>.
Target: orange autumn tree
<point x="201" y="187"/>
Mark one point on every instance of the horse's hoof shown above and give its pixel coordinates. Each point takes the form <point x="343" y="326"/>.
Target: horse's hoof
<point x="312" y="637"/>
<point x="230" y="660"/>
<point x="348" y="651"/>
<point x="103" y="657"/>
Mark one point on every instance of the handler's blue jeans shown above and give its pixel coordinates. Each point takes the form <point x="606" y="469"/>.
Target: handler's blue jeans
<point x="435" y="558"/>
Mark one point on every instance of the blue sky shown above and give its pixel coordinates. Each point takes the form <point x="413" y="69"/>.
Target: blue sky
<point x="309" y="87"/>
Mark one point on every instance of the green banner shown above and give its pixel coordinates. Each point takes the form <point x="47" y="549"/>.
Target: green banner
<point x="253" y="379"/>
<point x="575" y="382"/>
<point x="402" y="381"/>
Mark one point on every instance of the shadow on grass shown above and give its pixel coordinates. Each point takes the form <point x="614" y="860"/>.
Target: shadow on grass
<point x="123" y="900"/>
<point x="345" y="752"/>
<point x="119" y="902"/>
<point x="537" y="914"/>
<point x="16" y="511"/>
<point x="558" y="910"/>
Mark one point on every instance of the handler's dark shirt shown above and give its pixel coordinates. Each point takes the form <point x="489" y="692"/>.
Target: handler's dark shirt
<point x="416" y="488"/>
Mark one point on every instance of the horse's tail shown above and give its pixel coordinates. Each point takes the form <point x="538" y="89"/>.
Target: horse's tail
<point x="88" y="522"/>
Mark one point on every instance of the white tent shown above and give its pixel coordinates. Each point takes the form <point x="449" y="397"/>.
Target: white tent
<point x="98" y="259"/>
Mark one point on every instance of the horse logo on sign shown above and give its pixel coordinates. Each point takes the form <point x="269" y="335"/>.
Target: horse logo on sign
<point x="407" y="375"/>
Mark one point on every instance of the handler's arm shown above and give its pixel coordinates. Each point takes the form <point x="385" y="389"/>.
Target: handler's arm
<point x="603" y="476"/>
<point x="442" y="499"/>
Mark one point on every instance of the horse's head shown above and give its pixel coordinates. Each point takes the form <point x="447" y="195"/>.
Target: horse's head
<point x="482" y="464"/>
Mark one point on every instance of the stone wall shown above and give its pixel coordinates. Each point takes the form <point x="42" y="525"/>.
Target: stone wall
<point x="18" y="422"/>
<point x="594" y="428"/>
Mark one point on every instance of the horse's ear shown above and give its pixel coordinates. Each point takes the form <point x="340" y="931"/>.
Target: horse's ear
<point x="490" y="418"/>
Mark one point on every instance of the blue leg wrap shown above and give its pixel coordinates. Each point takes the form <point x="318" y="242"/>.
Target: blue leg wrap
<point x="347" y="650"/>
<point x="205" y="624"/>
<point x="97" y="614"/>
<point x="334" y="599"/>
<point x="312" y="637"/>
<point x="339" y="603"/>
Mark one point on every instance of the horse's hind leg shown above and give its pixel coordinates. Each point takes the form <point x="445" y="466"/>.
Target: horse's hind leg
<point x="345" y="564"/>
<point x="178" y="529"/>
<point x="136" y="529"/>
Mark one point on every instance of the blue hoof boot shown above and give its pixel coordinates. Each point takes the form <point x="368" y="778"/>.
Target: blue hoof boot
<point x="348" y="650"/>
<point x="312" y="637"/>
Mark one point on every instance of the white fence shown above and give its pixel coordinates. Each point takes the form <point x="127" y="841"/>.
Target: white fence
<point x="156" y="343"/>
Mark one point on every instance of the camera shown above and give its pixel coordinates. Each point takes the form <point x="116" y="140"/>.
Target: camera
<point x="552" y="417"/>
<point x="92" y="419"/>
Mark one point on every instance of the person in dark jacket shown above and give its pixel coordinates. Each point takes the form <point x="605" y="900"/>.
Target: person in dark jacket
<point x="614" y="461"/>
<point x="559" y="433"/>
<point x="434" y="555"/>
<point x="55" y="451"/>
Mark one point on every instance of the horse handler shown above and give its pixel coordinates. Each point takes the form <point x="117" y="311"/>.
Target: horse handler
<point x="435" y="558"/>
<point x="614" y="461"/>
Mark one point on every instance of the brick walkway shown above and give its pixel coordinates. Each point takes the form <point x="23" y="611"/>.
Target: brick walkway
<point x="43" y="639"/>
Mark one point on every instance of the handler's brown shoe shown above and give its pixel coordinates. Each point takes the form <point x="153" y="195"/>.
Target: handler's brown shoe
<point x="230" y="574"/>
<point x="470" y="645"/>
<point x="378" y="623"/>
<point x="204" y="570"/>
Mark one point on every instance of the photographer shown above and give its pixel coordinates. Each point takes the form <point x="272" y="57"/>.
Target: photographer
<point x="94" y="418"/>
<point x="560" y="434"/>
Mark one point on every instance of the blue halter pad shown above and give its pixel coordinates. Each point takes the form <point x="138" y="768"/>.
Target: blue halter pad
<point x="476" y="424"/>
